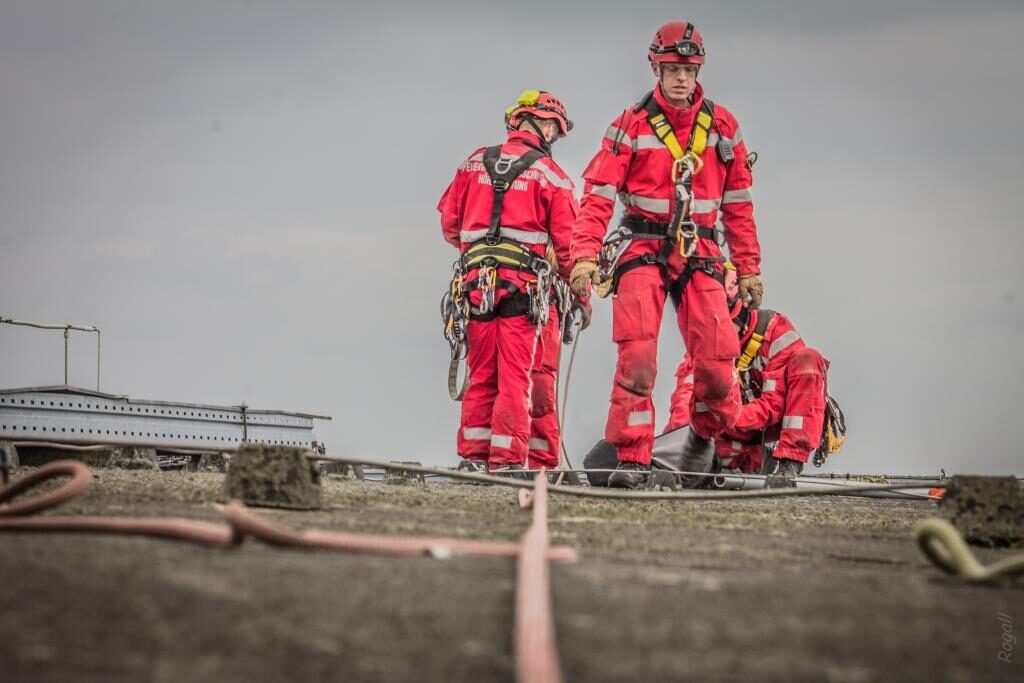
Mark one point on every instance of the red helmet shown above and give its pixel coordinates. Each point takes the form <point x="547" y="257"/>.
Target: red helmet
<point x="677" y="41"/>
<point x="732" y="291"/>
<point x="538" y="104"/>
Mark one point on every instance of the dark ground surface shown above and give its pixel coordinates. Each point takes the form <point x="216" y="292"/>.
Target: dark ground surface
<point x="802" y="589"/>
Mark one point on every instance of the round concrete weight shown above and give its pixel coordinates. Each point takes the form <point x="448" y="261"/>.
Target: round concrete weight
<point x="273" y="476"/>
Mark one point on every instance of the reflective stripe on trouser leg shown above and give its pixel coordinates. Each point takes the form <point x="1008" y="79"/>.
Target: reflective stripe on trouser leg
<point x="636" y="320"/>
<point x="712" y="342"/>
<point x="474" y="436"/>
<point x="510" y="419"/>
<point x="544" y="440"/>
<point x="804" y="412"/>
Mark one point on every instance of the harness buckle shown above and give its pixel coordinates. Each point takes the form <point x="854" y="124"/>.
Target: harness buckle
<point x="503" y="165"/>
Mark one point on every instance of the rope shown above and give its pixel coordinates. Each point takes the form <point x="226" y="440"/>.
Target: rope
<point x="945" y="547"/>
<point x="241" y="522"/>
<point x="565" y="402"/>
<point x="536" y="650"/>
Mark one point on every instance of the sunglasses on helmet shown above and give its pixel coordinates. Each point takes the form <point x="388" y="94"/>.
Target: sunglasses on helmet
<point x="686" y="48"/>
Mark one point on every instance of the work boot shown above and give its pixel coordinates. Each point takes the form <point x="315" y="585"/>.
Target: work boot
<point x="783" y="473"/>
<point x="472" y="465"/>
<point x="512" y="472"/>
<point x="629" y="475"/>
<point x="698" y="456"/>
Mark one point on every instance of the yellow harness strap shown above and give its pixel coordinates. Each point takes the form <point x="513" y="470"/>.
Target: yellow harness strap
<point x="698" y="140"/>
<point x="505" y="253"/>
<point x="749" y="352"/>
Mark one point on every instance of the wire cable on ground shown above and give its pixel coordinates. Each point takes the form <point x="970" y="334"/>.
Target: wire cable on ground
<point x="945" y="547"/>
<point x="622" y="494"/>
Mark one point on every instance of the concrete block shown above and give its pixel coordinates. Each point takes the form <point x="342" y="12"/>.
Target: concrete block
<point x="988" y="511"/>
<point x="273" y="476"/>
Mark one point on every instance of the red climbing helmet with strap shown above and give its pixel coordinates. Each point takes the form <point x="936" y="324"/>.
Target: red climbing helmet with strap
<point x="732" y="291"/>
<point x="538" y="104"/>
<point x="679" y="42"/>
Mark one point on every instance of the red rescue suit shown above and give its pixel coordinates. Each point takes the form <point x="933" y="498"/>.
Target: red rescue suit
<point x="789" y="382"/>
<point x="539" y="209"/>
<point x="636" y="166"/>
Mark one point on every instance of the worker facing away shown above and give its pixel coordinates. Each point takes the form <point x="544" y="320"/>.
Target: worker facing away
<point x="510" y="210"/>
<point x="678" y="163"/>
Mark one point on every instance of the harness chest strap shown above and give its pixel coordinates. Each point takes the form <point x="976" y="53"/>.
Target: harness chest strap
<point x="503" y="173"/>
<point x="753" y="344"/>
<point x="664" y="132"/>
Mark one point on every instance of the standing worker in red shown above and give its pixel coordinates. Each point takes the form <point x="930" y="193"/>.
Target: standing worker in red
<point x="677" y="162"/>
<point x="785" y="387"/>
<point x="510" y="211"/>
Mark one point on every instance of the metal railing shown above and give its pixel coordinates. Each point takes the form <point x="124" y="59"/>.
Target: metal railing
<point x="67" y="327"/>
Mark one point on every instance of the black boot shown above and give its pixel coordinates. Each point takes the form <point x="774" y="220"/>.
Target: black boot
<point x="629" y="475"/>
<point x="783" y="473"/>
<point x="698" y="455"/>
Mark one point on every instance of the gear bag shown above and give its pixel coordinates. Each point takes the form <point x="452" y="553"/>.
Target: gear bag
<point x="833" y="432"/>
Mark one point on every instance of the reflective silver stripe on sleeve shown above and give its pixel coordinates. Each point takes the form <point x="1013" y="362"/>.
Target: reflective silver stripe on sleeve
<point x="648" y="142"/>
<point x="524" y="236"/>
<point x="782" y="342"/>
<point x="736" y="196"/>
<point x="737" y="446"/>
<point x="688" y="379"/>
<point x="793" y="422"/>
<point x="614" y="133"/>
<point x="769" y="385"/>
<point x="640" y="417"/>
<point x="474" y="433"/>
<point x="704" y="205"/>
<point x="737" y="138"/>
<point x="539" y="445"/>
<point x="647" y="203"/>
<point x="501" y="441"/>
<point x="606" y="191"/>
<point x="713" y="139"/>
<point x="701" y="407"/>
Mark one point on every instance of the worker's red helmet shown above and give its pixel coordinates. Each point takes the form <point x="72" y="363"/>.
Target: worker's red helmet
<point x="677" y="41"/>
<point x="538" y="104"/>
<point x="732" y="291"/>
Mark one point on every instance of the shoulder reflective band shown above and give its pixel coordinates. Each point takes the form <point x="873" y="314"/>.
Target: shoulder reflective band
<point x="663" y="129"/>
<point x="503" y="173"/>
<point x="756" y="339"/>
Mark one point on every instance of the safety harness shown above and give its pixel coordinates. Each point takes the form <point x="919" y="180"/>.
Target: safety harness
<point x="486" y="255"/>
<point x="680" y="230"/>
<point x="833" y="430"/>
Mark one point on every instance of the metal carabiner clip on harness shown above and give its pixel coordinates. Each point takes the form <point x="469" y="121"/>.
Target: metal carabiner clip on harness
<point x="614" y="246"/>
<point x="683" y="171"/>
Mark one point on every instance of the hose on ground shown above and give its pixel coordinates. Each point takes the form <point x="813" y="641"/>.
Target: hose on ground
<point x="945" y="547"/>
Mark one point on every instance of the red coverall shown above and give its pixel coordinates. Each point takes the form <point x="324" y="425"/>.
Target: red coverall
<point x="790" y="408"/>
<point x="539" y="209"/>
<point x="633" y="164"/>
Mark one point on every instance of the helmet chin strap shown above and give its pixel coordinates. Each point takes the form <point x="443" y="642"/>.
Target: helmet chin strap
<point x="545" y="145"/>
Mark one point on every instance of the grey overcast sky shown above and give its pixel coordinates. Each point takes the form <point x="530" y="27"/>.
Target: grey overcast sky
<point x="241" y="195"/>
